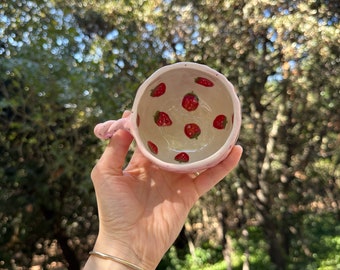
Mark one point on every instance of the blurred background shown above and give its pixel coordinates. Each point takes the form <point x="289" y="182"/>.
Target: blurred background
<point x="67" y="65"/>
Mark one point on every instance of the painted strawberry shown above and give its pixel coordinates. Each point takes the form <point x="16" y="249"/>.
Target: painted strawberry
<point x="158" y="90"/>
<point x="190" y="102"/>
<point x="162" y="119"/>
<point x="220" y="121"/>
<point x="182" y="157"/>
<point x="192" y="130"/>
<point x="153" y="148"/>
<point x="204" y="81"/>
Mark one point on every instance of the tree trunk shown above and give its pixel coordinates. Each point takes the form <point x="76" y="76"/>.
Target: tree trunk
<point x="188" y="230"/>
<point x="225" y="238"/>
<point x="228" y="249"/>
<point x="276" y="251"/>
<point x="68" y="252"/>
<point x="246" y="265"/>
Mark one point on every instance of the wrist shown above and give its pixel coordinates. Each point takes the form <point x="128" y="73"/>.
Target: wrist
<point x="95" y="262"/>
<point x="119" y="252"/>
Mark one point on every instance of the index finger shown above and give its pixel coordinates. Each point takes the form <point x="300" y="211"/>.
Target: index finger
<point x="114" y="156"/>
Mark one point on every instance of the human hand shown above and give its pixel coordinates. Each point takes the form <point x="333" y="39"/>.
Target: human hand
<point x="143" y="208"/>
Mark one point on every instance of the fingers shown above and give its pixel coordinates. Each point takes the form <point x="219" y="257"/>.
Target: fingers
<point x="101" y="130"/>
<point x="209" y="178"/>
<point x="113" y="158"/>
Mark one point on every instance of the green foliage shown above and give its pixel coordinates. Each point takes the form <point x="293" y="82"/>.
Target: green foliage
<point x="321" y="250"/>
<point x="65" y="66"/>
<point x="204" y="258"/>
<point x="323" y="241"/>
<point x="209" y="258"/>
<point x="44" y="134"/>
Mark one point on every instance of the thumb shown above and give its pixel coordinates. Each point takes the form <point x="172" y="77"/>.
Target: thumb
<point x="209" y="178"/>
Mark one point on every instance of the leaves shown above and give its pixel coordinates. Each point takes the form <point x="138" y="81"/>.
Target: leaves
<point x="66" y="66"/>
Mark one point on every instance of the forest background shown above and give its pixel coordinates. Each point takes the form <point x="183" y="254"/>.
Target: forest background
<point x="67" y="65"/>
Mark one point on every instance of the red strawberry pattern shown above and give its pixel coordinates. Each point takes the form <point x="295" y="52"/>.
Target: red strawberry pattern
<point x="190" y="102"/>
<point x="153" y="147"/>
<point x="158" y="90"/>
<point x="162" y="119"/>
<point x="192" y="131"/>
<point x="204" y="81"/>
<point x="220" y="121"/>
<point x="182" y="157"/>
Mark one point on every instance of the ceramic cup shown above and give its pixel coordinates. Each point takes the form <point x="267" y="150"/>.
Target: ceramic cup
<point x="186" y="117"/>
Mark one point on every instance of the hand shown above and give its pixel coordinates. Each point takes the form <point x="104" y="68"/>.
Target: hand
<point x="143" y="208"/>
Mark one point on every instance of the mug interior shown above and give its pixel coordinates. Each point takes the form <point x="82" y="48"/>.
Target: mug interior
<point x="184" y="114"/>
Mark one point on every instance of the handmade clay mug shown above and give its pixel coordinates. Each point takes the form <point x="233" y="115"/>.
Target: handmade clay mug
<point x="186" y="117"/>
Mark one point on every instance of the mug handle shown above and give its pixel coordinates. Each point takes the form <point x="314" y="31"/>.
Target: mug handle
<point x="107" y="129"/>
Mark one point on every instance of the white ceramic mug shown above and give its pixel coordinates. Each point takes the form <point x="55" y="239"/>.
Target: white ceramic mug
<point x="186" y="117"/>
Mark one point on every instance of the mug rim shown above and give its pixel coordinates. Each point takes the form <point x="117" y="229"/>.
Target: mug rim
<point x="206" y="162"/>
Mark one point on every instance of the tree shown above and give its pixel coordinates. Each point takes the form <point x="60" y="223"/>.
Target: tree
<point x="55" y="85"/>
<point x="283" y="60"/>
<point x="65" y="66"/>
<point x="46" y="145"/>
<point x="284" y="63"/>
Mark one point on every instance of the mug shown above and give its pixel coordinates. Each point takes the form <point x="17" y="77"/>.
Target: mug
<point x="186" y="117"/>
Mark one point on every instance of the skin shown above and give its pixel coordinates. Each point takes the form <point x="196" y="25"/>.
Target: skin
<point x="142" y="208"/>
